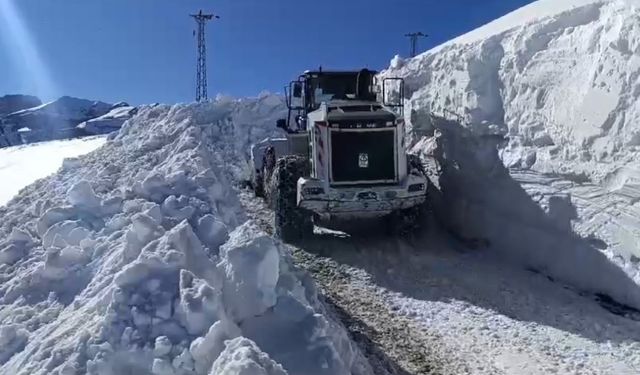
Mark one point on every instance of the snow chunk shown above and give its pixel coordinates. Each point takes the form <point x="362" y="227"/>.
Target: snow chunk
<point x="241" y="356"/>
<point x="19" y="236"/>
<point x="59" y="263"/>
<point x="200" y="304"/>
<point x="212" y="232"/>
<point x="13" y="339"/>
<point x="250" y="261"/>
<point x="65" y="233"/>
<point x="11" y="253"/>
<point x="162" y="347"/>
<point x="397" y="62"/>
<point x="177" y="208"/>
<point x="162" y="367"/>
<point x="205" y="350"/>
<point x="143" y="230"/>
<point x="81" y="195"/>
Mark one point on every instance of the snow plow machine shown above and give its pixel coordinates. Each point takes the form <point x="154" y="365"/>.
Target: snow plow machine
<point x="343" y="156"/>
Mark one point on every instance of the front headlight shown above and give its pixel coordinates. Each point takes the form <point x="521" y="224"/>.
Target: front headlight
<point x="313" y="191"/>
<point x="347" y="195"/>
<point x="416" y="187"/>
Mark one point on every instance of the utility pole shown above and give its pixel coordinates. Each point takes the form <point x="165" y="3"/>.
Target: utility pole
<point x="201" y="84"/>
<point x="414" y="41"/>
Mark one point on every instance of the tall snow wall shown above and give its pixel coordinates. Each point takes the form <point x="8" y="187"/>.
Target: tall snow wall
<point x="553" y="89"/>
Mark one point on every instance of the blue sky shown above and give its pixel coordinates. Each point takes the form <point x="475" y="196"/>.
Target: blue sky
<point x="143" y="51"/>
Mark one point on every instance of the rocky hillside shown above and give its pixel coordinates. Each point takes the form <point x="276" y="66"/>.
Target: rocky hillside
<point x="58" y="119"/>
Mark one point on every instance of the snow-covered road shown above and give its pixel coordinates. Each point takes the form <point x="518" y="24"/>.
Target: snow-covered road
<point x="143" y="257"/>
<point x="432" y="305"/>
<point x="92" y="248"/>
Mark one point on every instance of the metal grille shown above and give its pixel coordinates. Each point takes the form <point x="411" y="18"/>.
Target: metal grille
<point x="363" y="156"/>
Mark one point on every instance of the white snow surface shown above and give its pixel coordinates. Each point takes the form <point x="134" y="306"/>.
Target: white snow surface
<point x="137" y="258"/>
<point x="23" y="165"/>
<point x="559" y="81"/>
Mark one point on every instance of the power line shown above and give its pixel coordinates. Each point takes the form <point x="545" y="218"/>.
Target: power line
<point x="413" y="37"/>
<point x="201" y="71"/>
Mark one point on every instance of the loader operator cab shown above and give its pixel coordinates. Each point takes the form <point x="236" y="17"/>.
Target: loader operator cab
<point x="315" y="87"/>
<point x="321" y="87"/>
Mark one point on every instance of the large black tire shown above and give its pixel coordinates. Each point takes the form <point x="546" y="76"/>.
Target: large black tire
<point x="414" y="165"/>
<point x="258" y="185"/>
<point x="291" y="222"/>
<point x="411" y="220"/>
<point x="406" y="222"/>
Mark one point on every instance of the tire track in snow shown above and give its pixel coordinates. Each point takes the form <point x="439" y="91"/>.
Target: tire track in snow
<point x="392" y="343"/>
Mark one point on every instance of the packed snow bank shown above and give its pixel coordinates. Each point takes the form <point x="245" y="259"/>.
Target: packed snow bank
<point x="559" y="77"/>
<point x="22" y="165"/>
<point x="137" y="258"/>
<point x="477" y="199"/>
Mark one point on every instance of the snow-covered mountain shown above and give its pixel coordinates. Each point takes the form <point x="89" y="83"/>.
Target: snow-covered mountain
<point x="109" y="122"/>
<point x="14" y="103"/>
<point x="54" y="120"/>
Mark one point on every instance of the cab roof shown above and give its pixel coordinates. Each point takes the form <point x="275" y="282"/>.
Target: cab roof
<point x="336" y="72"/>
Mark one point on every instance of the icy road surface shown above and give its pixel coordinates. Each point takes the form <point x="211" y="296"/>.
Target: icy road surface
<point x="23" y="165"/>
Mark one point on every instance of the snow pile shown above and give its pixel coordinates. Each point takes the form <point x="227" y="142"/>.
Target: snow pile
<point x="243" y="122"/>
<point x="53" y="120"/>
<point x="136" y="258"/>
<point x="109" y="122"/>
<point x="22" y="165"/>
<point x="558" y="77"/>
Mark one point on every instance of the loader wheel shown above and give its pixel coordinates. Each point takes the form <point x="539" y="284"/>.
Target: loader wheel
<point x="406" y="222"/>
<point x="415" y="165"/>
<point x="410" y="220"/>
<point x="258" y="185"/>
<point x="291" y="222"/>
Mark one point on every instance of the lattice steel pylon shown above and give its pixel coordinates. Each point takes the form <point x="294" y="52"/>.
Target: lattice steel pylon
<point x="201" y="74"/>
<point x="414" y="41"/>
